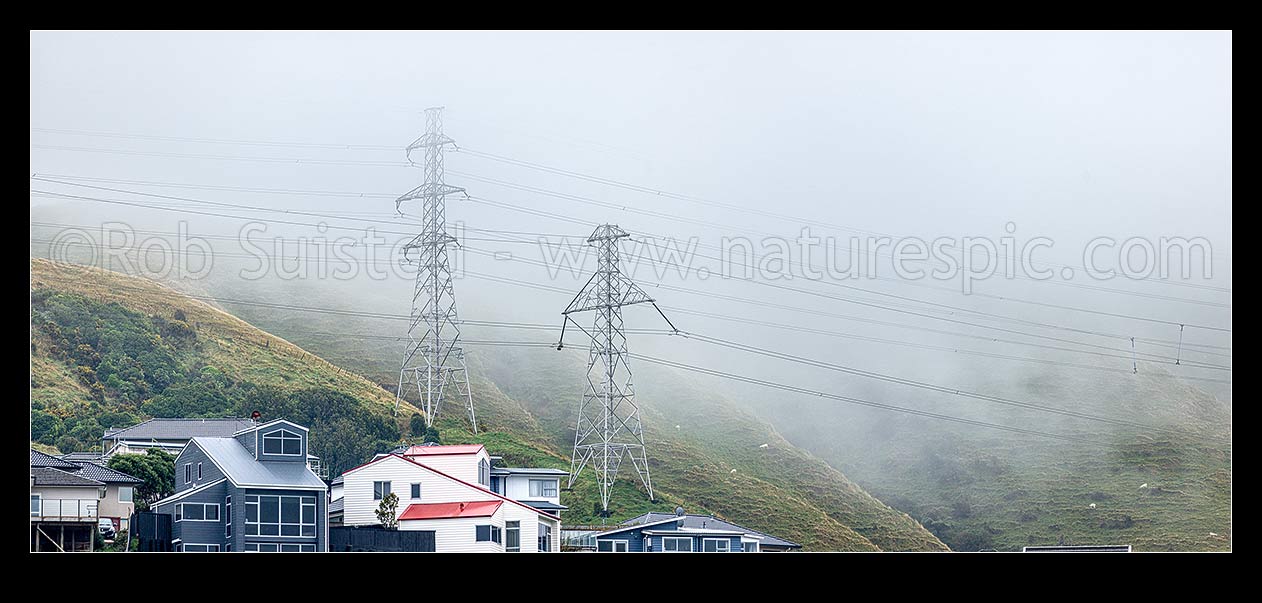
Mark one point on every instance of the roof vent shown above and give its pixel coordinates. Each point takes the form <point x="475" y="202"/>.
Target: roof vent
<point x="679" y="511"/>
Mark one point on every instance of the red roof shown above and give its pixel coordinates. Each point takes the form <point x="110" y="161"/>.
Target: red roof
<point x="477" y="508"/>
<point x="436" y="450"/>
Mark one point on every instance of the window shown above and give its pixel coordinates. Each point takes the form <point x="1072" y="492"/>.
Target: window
<point x="199" y="471"/>
<point x="197" y="512"/>
<point x="545" y="538"/>
<point x="35" y="504"/>
<point x="512" y="536"/>
<point x="484" y="473"/>
<point x="673" y="544"/>
<point x="546" y="488"/>
<point x="487" y="534"/>
<point x="282" y="442"/>
<point x="611" y="546"/>
<point x="380" y="490"/>
<point x="125" y="494"/>
<point x="227" y="515"/>
<point x="280" y="515"/>
<point x="416" y="491"/>
<point x="750" y="547"/>
<point x="716" y="545"/>
<point x="200" y="548"/>
<point x="497" y="485"/>
<point x="188" y="473"/>
<point x="271" y="547"/>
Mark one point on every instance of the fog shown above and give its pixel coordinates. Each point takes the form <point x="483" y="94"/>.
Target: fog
<point x="1068" y="136"/>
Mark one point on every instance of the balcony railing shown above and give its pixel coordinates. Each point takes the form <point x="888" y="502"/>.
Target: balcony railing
<point x="66" y="509"/>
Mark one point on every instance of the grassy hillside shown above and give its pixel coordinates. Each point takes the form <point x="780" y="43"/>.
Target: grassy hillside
<point x="1155" y="489"/>
<point x="110" y="350"/>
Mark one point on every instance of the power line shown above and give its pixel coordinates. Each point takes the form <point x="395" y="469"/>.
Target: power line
<point x="819" y="364"/>
<point x="579" y="198"/>
<point x="732" y="318"/>
<point x="663" y="285"/>
<point x="750" y="279"/>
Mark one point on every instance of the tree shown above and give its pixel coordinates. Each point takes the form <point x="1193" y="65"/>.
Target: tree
<point x="416" y="425"/>
<point x="386" y="511"/>
<point x="156" y="468"/>
<point x="431" y="435"/>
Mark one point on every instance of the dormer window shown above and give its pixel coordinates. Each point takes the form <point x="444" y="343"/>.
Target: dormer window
<point x="282" y="442"/>
<point x="484" y="473"/>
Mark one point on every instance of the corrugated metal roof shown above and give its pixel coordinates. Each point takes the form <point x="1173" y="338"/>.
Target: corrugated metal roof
<point x="179" y="429"/>
<point x="48" y="476"/>
<point x="527" y="471"/>
<point x="544" y="505"/>
<point x="437" y="450"/>
<point x="241" y="467"/>
<point x="448" y="510"/>
<point x="337" y="506"/>
<point x="707" y="522"/>
<point x="39" y="459"/>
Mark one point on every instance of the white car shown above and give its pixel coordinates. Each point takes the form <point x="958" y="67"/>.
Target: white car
<point x="105" y="527"/>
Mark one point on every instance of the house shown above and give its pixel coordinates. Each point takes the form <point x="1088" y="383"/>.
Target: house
<point x="171" y="435"/>
<point x="539" y="488"/>
<point x="167" y="434"/>
<point x="446" y="490"/>
<point x="250" y="492"/>
<point x="682" y="533"/>
<point x="67" y="505"/>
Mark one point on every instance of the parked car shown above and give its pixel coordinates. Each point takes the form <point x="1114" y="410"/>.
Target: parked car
<point x="105" y="527"/>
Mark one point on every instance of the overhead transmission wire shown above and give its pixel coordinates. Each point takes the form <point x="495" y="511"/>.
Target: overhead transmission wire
<point x="789" y="327"/>
<point x="754" y="349"/>
<point x="650" y="190"/>
<point x="743" y="300"/>
<point x="750" y="279"/>
<point x="622" y="207"/>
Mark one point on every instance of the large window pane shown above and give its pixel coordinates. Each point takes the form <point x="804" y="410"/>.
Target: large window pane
<point x="290" y="509"/>
<point x="269" y="509"/>
<point x="194" y="512"/>
<point x="212" y="512"/>
<point x="308" y="514"/>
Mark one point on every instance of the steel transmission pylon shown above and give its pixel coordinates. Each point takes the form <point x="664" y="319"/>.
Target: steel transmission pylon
<point x="608" y="428"/>
<point x="434" y="359"/>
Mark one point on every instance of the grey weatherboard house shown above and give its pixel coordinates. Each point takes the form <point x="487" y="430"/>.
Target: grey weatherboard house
<point x="249" y="492"/>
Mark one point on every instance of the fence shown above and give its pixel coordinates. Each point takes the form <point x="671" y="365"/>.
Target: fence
<point x="380" y="539"/>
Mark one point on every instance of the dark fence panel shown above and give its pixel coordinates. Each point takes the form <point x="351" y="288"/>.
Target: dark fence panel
<point x="380" y="539"/>
<point x="153" y="530"/>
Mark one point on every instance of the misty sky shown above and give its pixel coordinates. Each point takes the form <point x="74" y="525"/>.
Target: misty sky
<point x="1068" y="135"/>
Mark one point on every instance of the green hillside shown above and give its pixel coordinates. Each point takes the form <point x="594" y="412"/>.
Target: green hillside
<point x="1166" y="489"/>
<point x="111" y="350"/>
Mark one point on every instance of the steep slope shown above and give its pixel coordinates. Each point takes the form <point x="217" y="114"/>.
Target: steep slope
<point x="111" y="350"/>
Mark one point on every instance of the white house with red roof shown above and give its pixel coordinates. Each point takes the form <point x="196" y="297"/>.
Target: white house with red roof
<point x="446" y="489"/>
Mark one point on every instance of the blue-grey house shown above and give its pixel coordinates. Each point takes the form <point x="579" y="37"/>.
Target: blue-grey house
<point x="250" y="492"/>
<point x="681" y="533"/>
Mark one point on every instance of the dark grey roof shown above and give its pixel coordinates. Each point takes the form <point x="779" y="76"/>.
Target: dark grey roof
<point x="179" y="429"/>
<point x="527" y="471"/>
<point x="711" y="523"/>
<point x="48" y="476"/>
<point x="337" y="506"/>
<point x="39" y="459"/>
<point x="338" y="480"/>
<point x="102" y="473"/>
<point x="78" y="457"/>
<point x="244" y="470"/>
<point x="543" y="505"/>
